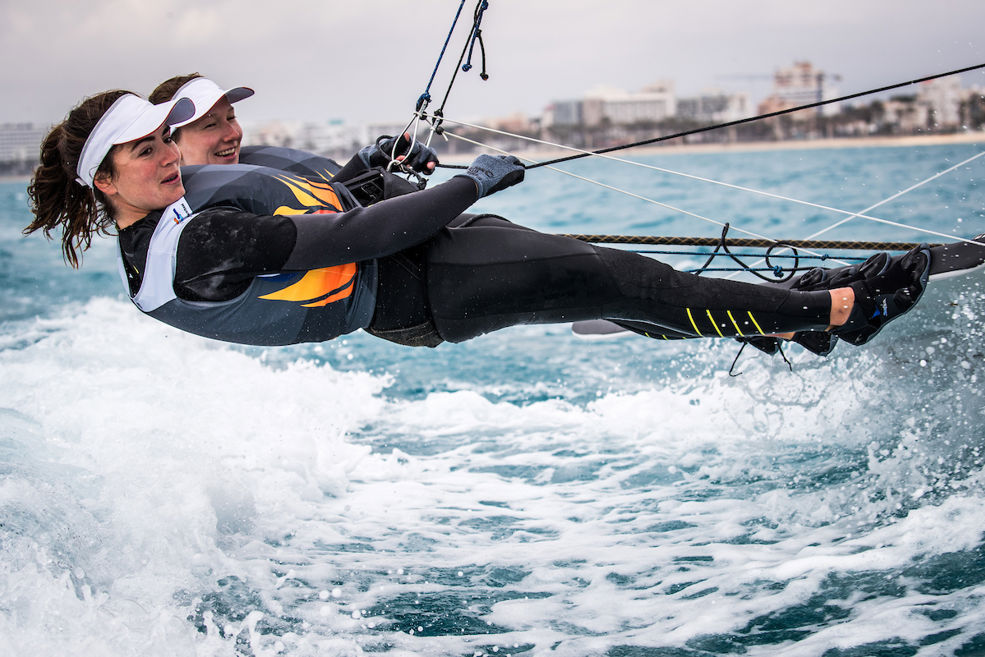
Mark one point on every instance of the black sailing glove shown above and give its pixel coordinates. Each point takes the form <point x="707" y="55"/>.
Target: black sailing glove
<point x="415" y="156"/>
<point x="492" y="173"/>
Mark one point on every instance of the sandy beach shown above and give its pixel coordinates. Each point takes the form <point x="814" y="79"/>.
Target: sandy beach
<point x="543" y="153"/>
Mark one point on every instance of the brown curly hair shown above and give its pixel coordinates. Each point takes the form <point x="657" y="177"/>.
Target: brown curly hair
<point x="58" y="201"/>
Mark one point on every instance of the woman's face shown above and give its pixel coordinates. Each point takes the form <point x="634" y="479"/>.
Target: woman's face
<point x="212" y="139"/>
<point x="145" y="177"/>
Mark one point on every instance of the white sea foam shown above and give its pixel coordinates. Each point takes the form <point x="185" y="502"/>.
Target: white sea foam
<point x="139" y="451"/>
<point x="525" y="493"/>
<point x="156" y="477"/>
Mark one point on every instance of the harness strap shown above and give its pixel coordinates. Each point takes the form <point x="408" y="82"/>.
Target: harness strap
<point x="157" y="282"/>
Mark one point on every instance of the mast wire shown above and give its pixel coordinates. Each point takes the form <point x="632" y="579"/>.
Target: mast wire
<point x="851" y="215"/>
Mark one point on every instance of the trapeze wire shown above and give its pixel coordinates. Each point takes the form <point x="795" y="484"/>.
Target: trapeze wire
<point x="850" y="215"/>
<point x="641" y="197"/>
<point x="887" y="200"/>
<point x="438" y="118"/>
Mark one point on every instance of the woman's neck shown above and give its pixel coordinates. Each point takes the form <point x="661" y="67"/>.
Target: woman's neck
<point x="122" y="223"/>
<point x="126" y="222"/>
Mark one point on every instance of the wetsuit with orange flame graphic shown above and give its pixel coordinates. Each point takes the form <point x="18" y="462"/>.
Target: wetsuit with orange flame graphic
<point x="261" y="256"/>
<point x="368" y="185"/>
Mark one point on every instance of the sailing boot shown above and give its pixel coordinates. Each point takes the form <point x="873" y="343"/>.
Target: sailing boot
<point x="819" y="278"/>
<point x="882" y="296"/>
<point x="823" y="343"/>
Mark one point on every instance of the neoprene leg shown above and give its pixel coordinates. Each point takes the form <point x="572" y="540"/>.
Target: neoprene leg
<point x="485" y="277"/>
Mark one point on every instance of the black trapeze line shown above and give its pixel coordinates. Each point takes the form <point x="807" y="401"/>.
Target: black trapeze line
<point x="722" y="248"/>
<point x="476" y="33"/>
<point x="426" y="96"/>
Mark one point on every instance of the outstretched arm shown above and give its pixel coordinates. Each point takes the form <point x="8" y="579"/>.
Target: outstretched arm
<point x="379" y="230"/>
<point x="222" y="249"/>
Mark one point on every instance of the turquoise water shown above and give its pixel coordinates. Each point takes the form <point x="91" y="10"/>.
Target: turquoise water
<point x="528" y="493"/>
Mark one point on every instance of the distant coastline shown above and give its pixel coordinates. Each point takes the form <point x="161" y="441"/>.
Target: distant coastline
<point x="788" y="144"/>
<point x="540" y="154"/>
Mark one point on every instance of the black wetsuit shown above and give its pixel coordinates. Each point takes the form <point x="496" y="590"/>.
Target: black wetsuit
<point x="484" y="273"/>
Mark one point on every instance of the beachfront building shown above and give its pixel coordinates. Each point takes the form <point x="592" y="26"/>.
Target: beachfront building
<point x="606" y="114"/>
<point x="714" y="107"/>
<point x="270" y="133"/>
<point x="20" y="142"/>
<point x="903" y="115"/>
<point x="330" y="137"/>
<point x="652" y="104"/>
<point x="942" y="98"/>
<point x="801" y="84"/>
<point x="333" y="138"/>
<point x="611" y="106"/>
<point x="973" y="109"/>
<point x="563" y="112"/>
<point x="20" y="146"/>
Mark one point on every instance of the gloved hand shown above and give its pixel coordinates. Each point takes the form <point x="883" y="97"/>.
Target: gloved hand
<point x="417" y="157"/>
<point x="491" y="173"/>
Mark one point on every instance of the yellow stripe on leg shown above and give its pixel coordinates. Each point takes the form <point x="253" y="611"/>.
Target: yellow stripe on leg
<point x="735" y="324"/>
<point x="691" y="318"/>
<point x="714" y="325"/>
<point x="755" y="323"/>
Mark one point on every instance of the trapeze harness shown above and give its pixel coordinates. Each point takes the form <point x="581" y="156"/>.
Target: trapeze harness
<point x="366" y="186"/>
<point x="421" y="272"/>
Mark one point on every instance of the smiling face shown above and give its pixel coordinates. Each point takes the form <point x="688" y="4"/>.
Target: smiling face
<point x="212" y="139"/>
<point x="145" y="177"/>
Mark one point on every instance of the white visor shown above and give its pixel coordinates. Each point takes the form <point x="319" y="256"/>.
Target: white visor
<point x="129" y="118"/>
<point x="205" y="93"/>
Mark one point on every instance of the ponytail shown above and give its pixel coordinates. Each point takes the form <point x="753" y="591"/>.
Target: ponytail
<point x="58" y="201"/>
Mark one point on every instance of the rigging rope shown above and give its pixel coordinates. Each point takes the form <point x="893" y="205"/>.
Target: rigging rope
<point x="850" y="214"/>
<point x="437" y="118"/>
<point x="646" y="199"/>
<point x="425" y="97"/>
<point x="819" y="206"/>
<point x="897" y="195"/>
<point x="721" y="245"/>
<point x="412" y="128"/>
<point x="745" y="242"/>
<point x="475" y="35"/>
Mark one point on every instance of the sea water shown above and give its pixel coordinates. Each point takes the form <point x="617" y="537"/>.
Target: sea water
<point x="527" y="493"/>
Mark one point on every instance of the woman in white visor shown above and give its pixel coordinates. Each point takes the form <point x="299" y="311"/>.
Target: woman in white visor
<point x="222" y="252"/>
<point x="112" y="151"/>
<point x="212" y="135"/>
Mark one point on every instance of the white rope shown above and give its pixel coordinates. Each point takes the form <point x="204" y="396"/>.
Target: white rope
<point x="851" y="215"/>
<point x="632" y="194"/>
<point x="654" y="168"/>
<point x="896" y="196"/>
<point x="411" y="129"/>
<point x="887" y="200"/>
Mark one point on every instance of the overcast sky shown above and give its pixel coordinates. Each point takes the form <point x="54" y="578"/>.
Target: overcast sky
<point x="369" y="60"/>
